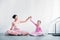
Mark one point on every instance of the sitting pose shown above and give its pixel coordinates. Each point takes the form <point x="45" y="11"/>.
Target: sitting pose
<point x="38" y="31"/>
<point x="14" y="30"/>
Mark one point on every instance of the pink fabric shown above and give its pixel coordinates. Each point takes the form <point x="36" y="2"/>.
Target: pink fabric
<point x="14" y="31"/>
<point x="38" y="29"/>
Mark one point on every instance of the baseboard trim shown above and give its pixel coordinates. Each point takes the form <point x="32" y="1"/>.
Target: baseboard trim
<point x="54" y="34"/>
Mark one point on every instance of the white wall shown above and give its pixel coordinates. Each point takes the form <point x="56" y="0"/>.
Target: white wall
<point x="45" y="10"/>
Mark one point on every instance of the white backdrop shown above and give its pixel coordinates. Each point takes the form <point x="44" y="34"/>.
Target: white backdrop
<point x="44" y="10"/>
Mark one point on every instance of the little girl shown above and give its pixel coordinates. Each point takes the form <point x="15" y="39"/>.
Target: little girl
<point x="38" y="30"/>
<point x="14" y="30"/>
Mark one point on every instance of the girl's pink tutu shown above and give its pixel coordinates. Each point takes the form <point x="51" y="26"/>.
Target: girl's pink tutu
<point x="38" y="32"/>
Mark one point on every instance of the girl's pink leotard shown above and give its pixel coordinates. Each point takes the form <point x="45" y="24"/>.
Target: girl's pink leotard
<point x="38" y="29"/>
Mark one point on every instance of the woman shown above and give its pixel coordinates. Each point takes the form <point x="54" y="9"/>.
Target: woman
<point x="14" y="30"/>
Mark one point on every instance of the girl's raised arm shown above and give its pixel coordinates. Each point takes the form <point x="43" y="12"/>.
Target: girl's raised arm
<point x="33" y="22"/>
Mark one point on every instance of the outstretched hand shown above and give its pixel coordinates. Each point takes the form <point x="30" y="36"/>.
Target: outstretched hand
<point x="30" y="17"/>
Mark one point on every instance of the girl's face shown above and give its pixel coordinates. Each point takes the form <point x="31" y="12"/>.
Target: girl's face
<point x="38" y="22"/>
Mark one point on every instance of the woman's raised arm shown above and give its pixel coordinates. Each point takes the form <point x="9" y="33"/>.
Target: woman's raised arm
<point x="25" y="20"/>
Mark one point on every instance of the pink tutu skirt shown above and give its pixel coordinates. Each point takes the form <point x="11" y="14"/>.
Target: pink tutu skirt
<point x="38" y="32"/>
<point x="16" y="32"/>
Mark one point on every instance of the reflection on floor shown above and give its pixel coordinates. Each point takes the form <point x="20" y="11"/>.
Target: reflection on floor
<point x="46" y="37"/>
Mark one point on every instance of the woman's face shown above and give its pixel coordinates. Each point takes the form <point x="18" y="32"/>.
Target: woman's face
<point x="16" y="17"/>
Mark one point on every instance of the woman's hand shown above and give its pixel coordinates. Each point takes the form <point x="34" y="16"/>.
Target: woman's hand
<point x="11" y="29"/>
